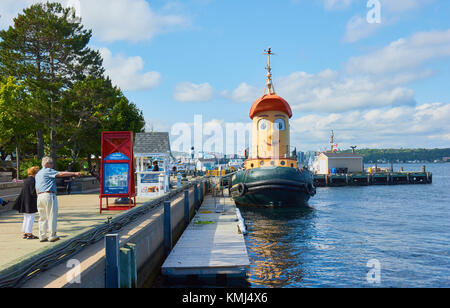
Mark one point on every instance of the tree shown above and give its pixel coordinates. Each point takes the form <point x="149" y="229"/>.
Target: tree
<point x="47" y="51"/>
<point x="16" y="124"/>
<point x="94" y="105"/>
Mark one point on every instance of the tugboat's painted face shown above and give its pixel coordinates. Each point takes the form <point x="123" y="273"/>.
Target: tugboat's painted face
<point x="272" y="133"/>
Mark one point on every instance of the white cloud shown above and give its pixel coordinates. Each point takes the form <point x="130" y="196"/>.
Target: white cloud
<point x="425" y="125"/>
<point x="127" y="73"/>
<point x="378" y="79"/>
<point x="337" y="4"/>
<point x="328" y="91"/>
<point x="403" y="54"/>
<point x="244" y="93"/>
<point x="191" y="92"/>
<point x="118" y="20"/>
<point x="398" y="6"/>
<point x="127" y="20"/>
<point x="358" y="28"/>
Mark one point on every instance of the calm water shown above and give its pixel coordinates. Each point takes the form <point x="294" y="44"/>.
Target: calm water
<point x="405" y="227"/>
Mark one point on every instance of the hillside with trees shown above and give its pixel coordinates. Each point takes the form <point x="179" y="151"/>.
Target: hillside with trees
<point x="403" y="155"/>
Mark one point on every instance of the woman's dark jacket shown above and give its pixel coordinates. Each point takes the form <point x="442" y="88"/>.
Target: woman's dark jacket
<point x="27" y="200"/>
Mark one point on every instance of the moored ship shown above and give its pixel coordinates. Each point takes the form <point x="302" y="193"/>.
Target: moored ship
<point x="271" y="176"/>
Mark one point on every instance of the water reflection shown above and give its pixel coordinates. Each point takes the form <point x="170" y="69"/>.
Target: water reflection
<point x="279" y="238"/>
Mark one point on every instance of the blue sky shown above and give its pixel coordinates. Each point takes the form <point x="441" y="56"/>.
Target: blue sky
<point x="377" y="85"/>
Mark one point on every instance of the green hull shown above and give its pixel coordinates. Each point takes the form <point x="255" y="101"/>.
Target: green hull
<point x="272" y="187"/>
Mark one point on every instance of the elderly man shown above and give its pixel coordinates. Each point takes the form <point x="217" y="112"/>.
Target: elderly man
<point x="47" y="202"/>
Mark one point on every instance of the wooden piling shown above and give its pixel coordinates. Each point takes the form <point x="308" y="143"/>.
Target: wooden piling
<point x="112" y="261"/>
<point x="125" y="268"/>
<point x="133" y="264"/>
<point x="167" y="228"/>
<point x="187" y="214"/>
<point x="196" y="200"/>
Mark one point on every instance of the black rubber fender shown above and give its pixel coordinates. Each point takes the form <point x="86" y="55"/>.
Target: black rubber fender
<point x="241" y="189"/>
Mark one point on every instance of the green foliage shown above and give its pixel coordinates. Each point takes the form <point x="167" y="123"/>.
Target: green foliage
<point x="28" y="163"/>
<point x="16" y="124"/>
<point x="62" y="164"/>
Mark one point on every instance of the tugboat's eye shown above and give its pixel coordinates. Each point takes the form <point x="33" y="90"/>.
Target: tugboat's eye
<point x="262" y="124"/>
<point x="279" y="124"/>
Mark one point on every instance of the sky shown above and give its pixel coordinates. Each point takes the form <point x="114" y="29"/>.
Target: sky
<point x="377" y="72"/>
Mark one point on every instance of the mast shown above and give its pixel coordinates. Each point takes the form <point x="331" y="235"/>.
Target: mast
<point x="332" y="142"/>
<point x="269" y="88"/>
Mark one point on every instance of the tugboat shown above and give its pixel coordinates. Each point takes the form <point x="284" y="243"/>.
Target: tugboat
<point x="271" y="176"/>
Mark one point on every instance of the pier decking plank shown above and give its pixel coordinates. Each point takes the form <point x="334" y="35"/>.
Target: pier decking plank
<point x="210" y="245"/>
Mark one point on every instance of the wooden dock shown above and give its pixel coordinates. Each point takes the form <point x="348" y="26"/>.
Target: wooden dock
<point x="365" y="179"/>
<point x="211" y="245"/>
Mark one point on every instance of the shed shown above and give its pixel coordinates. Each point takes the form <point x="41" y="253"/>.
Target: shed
<point x="342" y="162"/>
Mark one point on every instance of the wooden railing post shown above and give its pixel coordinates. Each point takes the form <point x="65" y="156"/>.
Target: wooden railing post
<point x="187" y="214"/>
<point x="167" y="228"/>
<point x="112" y="261"/>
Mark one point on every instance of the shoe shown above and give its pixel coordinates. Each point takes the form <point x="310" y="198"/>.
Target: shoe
<point x="54" y="239"/>
<point x="42" y="240"/>
<point x="32" y="237"/>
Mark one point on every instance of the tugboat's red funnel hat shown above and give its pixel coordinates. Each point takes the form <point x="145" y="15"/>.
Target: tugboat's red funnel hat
<point x="270" y="102"/>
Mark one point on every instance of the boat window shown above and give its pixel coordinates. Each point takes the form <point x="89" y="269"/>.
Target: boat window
<point x="283" y="163"/>
<point x="262" y="163"/>
<point x="279" y="124"/>
<point x="262" y="124"/>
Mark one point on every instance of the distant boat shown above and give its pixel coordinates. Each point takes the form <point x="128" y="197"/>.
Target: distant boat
<point x="271" y="177"/>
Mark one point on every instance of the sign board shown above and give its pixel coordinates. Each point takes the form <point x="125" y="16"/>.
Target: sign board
<point x="151" y="184"/>
<point x="117" y="168"/>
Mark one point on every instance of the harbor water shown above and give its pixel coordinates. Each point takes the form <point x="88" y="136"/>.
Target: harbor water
<point x="403" y="229"/>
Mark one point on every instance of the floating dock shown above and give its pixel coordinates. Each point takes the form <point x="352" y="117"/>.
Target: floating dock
<point x="212" y="244"/>
<point x="365" y="179"/>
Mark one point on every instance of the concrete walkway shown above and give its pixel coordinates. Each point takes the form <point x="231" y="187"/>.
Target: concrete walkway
<point x="77" y="213"/>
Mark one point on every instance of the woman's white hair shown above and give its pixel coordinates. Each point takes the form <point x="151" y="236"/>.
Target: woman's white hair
<point x="46" y="160"/>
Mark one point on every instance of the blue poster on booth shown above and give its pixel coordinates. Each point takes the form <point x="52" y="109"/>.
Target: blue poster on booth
<point x="115" y="179"/>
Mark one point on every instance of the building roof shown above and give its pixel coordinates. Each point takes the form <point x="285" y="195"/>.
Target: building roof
<point x="270" y="102"/>
<point x="156" y="142"/>
<point x="341" y="155"/>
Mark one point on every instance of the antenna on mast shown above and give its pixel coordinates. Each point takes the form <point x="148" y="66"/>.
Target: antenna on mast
<point x="269" y="83"/>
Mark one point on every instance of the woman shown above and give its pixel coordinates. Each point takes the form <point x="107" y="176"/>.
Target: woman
<point x="26" y="203"/>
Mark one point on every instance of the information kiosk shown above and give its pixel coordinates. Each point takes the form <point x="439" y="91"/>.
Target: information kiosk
<point x="117" y="169"/>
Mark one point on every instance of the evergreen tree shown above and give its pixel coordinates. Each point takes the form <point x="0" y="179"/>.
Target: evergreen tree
<point x="46" y="49"/>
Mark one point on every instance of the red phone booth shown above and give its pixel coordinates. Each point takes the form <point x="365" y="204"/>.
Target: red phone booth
<point x="117" y="169"/>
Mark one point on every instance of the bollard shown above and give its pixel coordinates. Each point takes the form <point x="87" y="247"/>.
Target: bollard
<point x="179" y="180"/>
<point x="186" y="208"/>
<point x="125" y="268"/>
<point x="112" y="261"/>
<point x="133" y="264"/>
<point x="167" y="228"/>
